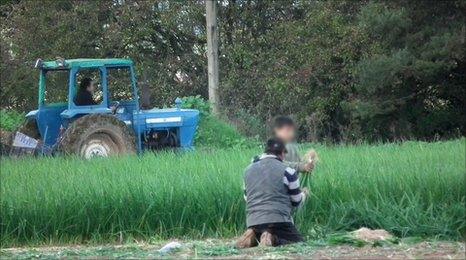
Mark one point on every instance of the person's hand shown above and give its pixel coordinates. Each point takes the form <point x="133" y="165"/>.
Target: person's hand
<point x="306" y="191"/>
<point x="308" y="167"/>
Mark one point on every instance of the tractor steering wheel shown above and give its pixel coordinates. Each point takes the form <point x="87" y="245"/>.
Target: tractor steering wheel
<point x="114" y="106"/>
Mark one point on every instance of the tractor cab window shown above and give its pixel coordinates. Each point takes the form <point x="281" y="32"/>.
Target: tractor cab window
<point x="56" y="86"/>
<point x="119" y="84"/>
<point x="88" y="88"/>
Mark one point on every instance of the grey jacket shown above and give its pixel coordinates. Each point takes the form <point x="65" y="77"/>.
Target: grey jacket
<point x="292" y="158"/>
<point x="271" y="191"/>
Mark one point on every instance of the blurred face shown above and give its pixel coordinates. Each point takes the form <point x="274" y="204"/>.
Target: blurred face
<point x="286" y="133"/>
<point x="91" y="87"/>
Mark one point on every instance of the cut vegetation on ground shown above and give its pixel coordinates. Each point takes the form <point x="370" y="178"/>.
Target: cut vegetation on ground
<point x="408" y="189"/>
<point x="213" y="248"/>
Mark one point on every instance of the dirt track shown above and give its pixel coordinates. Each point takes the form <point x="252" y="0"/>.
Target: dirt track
<point x="224" y="249"/>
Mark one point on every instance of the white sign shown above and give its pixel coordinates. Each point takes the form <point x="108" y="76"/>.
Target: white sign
<point x="24" y="141"/>
<point x="175" y="119"/>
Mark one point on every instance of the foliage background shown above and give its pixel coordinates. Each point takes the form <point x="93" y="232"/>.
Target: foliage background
<point x="10" y="120"/>
<point x="346" y="70"/>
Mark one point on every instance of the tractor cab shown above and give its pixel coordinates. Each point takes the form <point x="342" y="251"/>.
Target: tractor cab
<point x="59" y="82"/>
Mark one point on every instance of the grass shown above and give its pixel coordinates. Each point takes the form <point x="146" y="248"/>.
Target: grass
<point x="409" y="189"/>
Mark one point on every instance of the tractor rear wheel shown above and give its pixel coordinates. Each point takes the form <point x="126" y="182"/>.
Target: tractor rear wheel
<point x="98" y="135"/>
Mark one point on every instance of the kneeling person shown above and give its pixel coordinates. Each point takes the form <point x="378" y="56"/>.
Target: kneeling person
<point x="271" y="192"/>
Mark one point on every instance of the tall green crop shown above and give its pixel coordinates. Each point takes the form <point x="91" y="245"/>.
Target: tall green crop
<point x="410" y="189"/>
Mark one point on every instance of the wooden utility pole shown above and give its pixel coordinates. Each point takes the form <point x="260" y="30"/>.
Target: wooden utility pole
<point x="212" y="53"/>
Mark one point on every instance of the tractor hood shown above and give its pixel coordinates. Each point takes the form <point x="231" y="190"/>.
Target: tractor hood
<point x="165" y="118"/>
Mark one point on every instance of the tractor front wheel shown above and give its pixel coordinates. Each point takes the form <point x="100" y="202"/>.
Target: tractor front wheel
<point x="98" y="135"/>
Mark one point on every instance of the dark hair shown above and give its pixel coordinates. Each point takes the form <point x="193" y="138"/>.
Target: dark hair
<point x="282" y="121"/>
<point x="275" y="146"/>
<point x="85" y="82"/>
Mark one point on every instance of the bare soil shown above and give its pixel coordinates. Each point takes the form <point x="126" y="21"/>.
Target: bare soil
<point x="218" y="249"/>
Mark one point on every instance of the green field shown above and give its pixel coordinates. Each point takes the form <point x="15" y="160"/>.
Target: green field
<point x="409" y="189"/>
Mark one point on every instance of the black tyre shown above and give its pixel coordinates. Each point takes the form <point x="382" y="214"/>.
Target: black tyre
<point x="98" y="135"/>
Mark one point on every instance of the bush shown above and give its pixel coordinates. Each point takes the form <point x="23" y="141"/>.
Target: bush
<point x="247" y="124"/>
<point x="212" y="131"/>
<point x="10" y="120"/>
<point x="197" y="102"/>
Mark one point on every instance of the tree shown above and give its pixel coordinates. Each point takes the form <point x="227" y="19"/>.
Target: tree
<point x="346" y="70"/>
<point x="212" y="53"/>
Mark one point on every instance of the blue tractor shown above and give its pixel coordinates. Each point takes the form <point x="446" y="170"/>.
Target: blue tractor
<point x="114" y="125"/>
